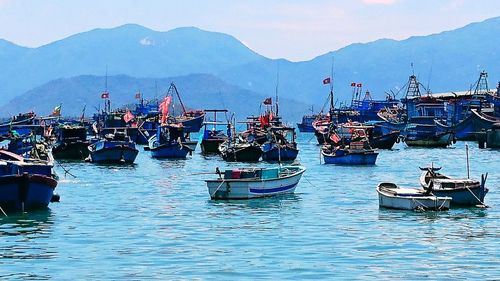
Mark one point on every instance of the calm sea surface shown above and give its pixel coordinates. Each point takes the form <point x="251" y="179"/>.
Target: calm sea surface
<point x="154" y="220"/>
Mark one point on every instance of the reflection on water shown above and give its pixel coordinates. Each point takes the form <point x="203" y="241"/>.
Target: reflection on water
<point x="26" y="236"/>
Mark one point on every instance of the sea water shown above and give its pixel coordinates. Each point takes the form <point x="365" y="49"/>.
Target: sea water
<point x="155" y="220"/>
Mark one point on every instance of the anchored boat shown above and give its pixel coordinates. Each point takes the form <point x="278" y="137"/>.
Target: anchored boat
<point x="113" y="148"/>
<point x="465" y="192"/>
<point x="169" y="142"/>
<point x="254" y="182"/>
<point x="392" y="196"/>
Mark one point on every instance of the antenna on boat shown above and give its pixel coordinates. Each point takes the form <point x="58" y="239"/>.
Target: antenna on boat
<point x="467" y="159"/>
<point x="277" y="85"/>
<point x="331" y="90"/>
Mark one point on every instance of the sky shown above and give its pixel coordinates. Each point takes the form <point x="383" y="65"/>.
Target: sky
<point x="295" y="29"/>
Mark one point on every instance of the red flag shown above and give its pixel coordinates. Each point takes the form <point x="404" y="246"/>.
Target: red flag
<point x="105" y="95"/>
<point x="268" y="101"/>
<point x="353" y="84"/>
<point x="327" y="81"/>
<point x="138" y="95"/>
<point x="359" y="85"/>
<point x="335" y="138"/>
<point x="164" y="105"/>
<point x="128" y="116"/>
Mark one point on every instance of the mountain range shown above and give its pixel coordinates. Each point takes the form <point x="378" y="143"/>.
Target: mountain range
<point x="448" y="61"/>
<point x="198" y="91"/>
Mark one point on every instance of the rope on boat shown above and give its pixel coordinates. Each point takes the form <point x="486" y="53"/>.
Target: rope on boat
<point x="442" y="204"/>
<point x="66" y="171"/>
<point x="482" y="203"/>
<point x="217" y="189"/>
<point x="3" y="212"/>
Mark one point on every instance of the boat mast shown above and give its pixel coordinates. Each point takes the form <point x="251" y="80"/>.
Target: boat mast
<point x="277" y="84"/>
<point x="331" y="91"/>
<point x="174" y="88"/>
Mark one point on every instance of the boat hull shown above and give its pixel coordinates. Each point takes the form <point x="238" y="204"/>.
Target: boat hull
<point x="305" y="128"/>
<point x="116" y="154"/>
<point x="386" y="141"/>
<point x="440" y="140"/>
<point x="170" y="151"/>
<point x="246" y="154"/>
<point x="211" y="146"/>
<point x="71" y="150"/>
<point x="351" y="158"/>
<point x="412" y="201"/>
<point x="284" y="154"/>
<point x="25" y="191"/>
<point x="462" y="197"/>
<point x="248" y="189"/>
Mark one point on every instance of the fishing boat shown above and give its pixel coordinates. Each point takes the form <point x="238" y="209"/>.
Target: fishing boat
<point x="357" y="152"/>
<point x="392" y="196"/>
<point x="254" y="182"/>
<point x="240" y="150"/>
<point x="113" y="148"/>
<point x="169" y="142"/>
<point x="425" y="135"/>
<point x="465" y="192"/>
<point x="278" y="147"/>
<point x="306" y="125"/>
<point x="25" y="183"/>
<point x="71" y="142"/>
<point x="191" y="120"/>
<point x="213" y="137"/>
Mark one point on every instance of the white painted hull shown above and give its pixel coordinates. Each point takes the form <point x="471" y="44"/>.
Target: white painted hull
<point x="248" y="188"/>
<point x="411" y="201"/>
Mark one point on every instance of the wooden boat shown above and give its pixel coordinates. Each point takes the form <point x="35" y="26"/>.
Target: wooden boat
<point x="357" y="152"/>
<point x="169" y="142"/>
<point x="255" y="182"/>
<point x="213" y="138"/>
<point x="465" y="192"/>
<point x="113" y="148"/>
<point x="278" y="147"/>
<point x="392" y="196"/>
<point x="482" y="121"/>
<point x="25" y="183"/>
<point x="71" y="142"/>
<point x="240" y="151"/>
<point x="424" y="135"/>
<point x="464" y="130"/>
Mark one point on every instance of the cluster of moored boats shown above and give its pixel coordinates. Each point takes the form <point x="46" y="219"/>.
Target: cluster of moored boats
<point x="348" y="135"/>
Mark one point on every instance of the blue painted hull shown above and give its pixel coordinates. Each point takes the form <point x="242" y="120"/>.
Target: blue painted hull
<point x="305" y="128"/>
<point x="275" y="154"/>
<point x="193" y="125"/>
<point x="170" y="151"/>
<point x="353" y="158"/>
<point x="462" y="197"/>
<point x="462" y="131"/>
<point x="114" y="155"/>
<point x="24" y="192"/>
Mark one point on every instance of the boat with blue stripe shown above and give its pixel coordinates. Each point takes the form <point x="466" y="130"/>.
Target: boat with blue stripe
<point x="250" y="183"/>
<point x="113" y="148"/>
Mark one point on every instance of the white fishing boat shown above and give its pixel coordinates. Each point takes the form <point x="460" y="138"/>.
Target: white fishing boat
<point x="254" y="182"/>
<point x="392" y="196"/>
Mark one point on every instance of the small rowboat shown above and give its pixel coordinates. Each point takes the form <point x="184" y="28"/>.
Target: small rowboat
<point x="465" y="192"/>
<point x="255" y="182"/>
<point x="392" y="196"/>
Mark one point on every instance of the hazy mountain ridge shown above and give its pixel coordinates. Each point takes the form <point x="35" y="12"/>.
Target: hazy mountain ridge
<point x="198" y="91"/>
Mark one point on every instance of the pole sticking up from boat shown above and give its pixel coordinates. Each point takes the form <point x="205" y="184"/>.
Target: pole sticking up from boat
<point x="467" y="159"/>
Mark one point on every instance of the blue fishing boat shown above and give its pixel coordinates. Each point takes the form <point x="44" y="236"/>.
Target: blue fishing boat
<point x="281" y="145"/>
<point x="25" y="183"/>
<point x="169" y="142"/>
<point x="357" y="152"/>
<point x="113" y="148"/>
<point x="463" y="192"/>
<point x="306" y="125"/>
<point x="213" y="137"/>
<point x="425" y="135"/>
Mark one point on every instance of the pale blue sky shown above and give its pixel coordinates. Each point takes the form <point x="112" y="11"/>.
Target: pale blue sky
<point x="295" y="30"/>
